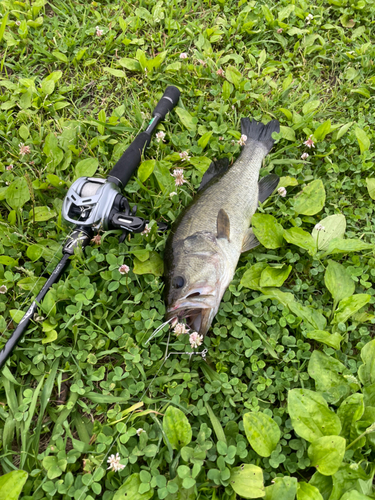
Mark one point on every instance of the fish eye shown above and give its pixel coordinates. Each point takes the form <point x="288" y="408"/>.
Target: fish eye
<point x="178" y="282"/>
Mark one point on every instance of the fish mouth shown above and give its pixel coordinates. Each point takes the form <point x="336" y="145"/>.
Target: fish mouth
<point x="197" y="313"/>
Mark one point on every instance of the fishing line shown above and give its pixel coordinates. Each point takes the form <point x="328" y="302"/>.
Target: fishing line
<point x="160" y="327"/>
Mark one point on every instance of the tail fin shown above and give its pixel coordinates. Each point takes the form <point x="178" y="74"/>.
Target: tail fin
<point x="260" y="132"/>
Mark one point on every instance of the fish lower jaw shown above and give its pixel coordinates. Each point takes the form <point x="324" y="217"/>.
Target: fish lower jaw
<point x="198" y="319"/>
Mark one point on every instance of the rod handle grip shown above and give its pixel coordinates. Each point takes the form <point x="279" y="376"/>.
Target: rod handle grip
<point x="130" y="159"/>
<point x="167" y="102"/>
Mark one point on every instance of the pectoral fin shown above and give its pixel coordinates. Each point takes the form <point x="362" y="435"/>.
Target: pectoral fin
<point x="250" y="241"/>
<point x="267" y="186"/>
<point x="223" y="225"/>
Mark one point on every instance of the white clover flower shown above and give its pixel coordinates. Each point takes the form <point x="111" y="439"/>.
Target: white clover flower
<point x="178" y="174"/>
<point x="242" y="140"/>
<point x="183" y="55"/>
<point x="124" y="269"/>
<point x="184" y="156"/>
<point x="160" y="136"/>
<point x="9" y="167"/>
<point x="146" y="230"/>
<point x="114" y="463"/>
<point x="99" y="32"/>
<point x="304" y="156"/>
<point x="24" y="150"/>
<point x="139" y="431"/>
<point x="3" y="289"/>
<point x="282" y="191"/>
<point x="180" y="329"/>
<point x="97" y="239"/>
<point x="195" y="340"/>
<point x="309" y="142"/>
<point x="319" y="227"/>
<point x="220" y="72"/>
<point x="309" y="18"/>
<point x="172" y="194"/>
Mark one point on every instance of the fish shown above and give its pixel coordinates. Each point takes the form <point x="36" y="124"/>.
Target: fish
<point x="208" y="237"/>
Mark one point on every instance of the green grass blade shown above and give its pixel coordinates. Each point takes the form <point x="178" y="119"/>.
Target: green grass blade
<point x="8" y="375"/>
<point x="219" y="431"/>
<point x="81" y="427"/>
<point x="3" y="26"/>
<point x="73" y="398"/>
<point x="44" y="398"/>
<point x="48" y="386"/>
<point x="25" y="440"/>
<point x="10" y="395"/>
<point x="8" y="435"/>
<point x="210" y="374"/>
<point x="270" y="349"/>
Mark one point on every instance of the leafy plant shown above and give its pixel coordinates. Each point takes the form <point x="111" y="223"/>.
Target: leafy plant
<point x="92" y="405"/>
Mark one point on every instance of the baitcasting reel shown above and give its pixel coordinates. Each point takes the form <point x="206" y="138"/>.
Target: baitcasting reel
<point x="92" y="204"/>
<point x="98" y="204"/>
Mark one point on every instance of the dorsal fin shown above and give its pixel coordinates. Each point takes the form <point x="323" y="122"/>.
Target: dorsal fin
<point x="218" y="167"/>
<point x="223" y="225"/>
<point x="267" y="186"/>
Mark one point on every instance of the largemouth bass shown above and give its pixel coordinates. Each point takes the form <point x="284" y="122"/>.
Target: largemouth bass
<point x="207" y="239"/>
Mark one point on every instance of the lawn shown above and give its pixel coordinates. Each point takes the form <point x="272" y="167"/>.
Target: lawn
<point x="282" y="406"/>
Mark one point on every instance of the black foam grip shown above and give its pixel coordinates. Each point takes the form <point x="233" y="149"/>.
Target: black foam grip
<point x="130" y="160"/>
<point x="167" y="102"/>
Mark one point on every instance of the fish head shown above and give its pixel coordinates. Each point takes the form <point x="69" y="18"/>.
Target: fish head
<point x="196" y="281"/>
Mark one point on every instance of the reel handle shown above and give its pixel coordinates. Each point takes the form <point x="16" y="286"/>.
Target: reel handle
<point x="131" y="158"/>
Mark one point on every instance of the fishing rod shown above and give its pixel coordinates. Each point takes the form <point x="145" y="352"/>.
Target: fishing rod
<point x="92" y="204"/>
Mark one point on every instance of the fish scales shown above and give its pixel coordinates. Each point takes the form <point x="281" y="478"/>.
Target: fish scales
<point x="236" y="192"/>
<point x="206" y="241"/>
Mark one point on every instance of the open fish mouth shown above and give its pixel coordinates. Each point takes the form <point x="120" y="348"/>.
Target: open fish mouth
<point x="198" y="317"/>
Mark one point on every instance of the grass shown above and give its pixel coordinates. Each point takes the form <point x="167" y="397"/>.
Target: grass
<point x="84" y="381"/>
